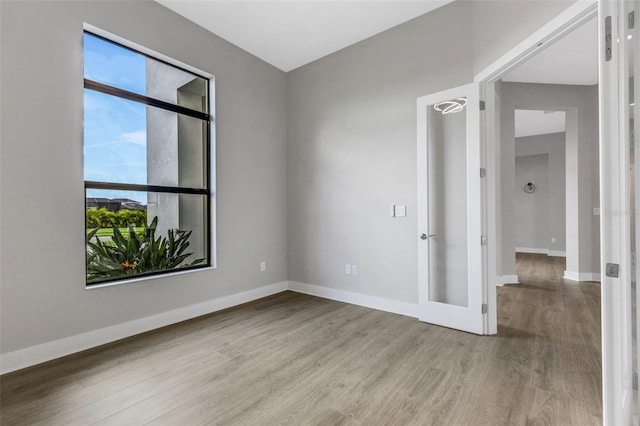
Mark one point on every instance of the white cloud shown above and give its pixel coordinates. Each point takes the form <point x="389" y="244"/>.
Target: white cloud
<point x="138" y="138"/>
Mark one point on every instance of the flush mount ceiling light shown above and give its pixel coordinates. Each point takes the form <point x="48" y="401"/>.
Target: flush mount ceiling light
<point x="449" y="107"/>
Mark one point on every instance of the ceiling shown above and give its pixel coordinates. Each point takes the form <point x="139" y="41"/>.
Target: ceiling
<point x="289" y="34"/>
<point x="571" y="60"/>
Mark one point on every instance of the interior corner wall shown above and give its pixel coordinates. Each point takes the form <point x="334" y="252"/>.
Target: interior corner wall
<point x="352" y="153"/>
<point x="43" y="295"/>
<point x="549" y="222"/>
<point x="582" y="175"/>
<point x="352" y="140"/>
<point x="307" y="162"/>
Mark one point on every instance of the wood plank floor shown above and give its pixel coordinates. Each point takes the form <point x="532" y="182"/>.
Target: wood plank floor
<point x="296" y="359"/>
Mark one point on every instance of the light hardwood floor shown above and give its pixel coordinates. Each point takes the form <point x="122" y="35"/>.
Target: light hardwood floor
<point x="296" y="359"/>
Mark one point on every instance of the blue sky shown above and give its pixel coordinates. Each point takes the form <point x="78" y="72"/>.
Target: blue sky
<point x="115" y="139"/>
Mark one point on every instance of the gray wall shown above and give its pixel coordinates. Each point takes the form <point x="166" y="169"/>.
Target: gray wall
<point x="581" y="168"/>
<point x="352" y="140"/>
<point x="531" y="215"/>
<point x="43" y="294"/>
<point x="349" y="153"/>
<point x="541" y="159"/>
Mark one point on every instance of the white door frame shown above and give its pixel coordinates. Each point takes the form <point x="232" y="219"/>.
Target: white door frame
<point x="615" y="222"/>
<point x="613" y="177"/>
<point x="574" y="16"/>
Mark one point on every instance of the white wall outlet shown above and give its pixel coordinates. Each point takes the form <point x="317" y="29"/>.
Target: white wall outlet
<point x="354" y="269"/>
<point x="596" y="211"/>
<point x="553" y="239"/>
<point x="347" y="269"/>
<point x="263" y="266"/>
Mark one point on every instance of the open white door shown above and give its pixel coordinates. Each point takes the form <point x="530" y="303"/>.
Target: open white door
<point x="619" y="200"/>
<point x="450" y="214"/>
<point x="633" y="70"/>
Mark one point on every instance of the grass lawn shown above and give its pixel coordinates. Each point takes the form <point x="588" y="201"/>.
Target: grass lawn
<point x="108" y="232"/>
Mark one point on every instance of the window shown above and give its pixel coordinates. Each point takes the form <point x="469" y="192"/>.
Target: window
<point x="146" y="164"/>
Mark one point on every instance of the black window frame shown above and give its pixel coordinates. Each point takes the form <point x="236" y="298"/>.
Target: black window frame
<point x="205" y="116"/>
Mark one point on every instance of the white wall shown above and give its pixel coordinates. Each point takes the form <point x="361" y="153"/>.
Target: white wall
<point x="352" y="140"/>
<point x="540" y="159"/>
<point x="581" y="170"/>
<point x="43" y="296"/>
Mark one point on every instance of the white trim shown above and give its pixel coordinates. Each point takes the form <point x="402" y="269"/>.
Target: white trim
<point x="574" y="16"/>
<point x="373" y="302"/>
<point x="33" y="355"/>
<point x="532" y="250"/>
<point x="489" y="220"/>
<point x="555" y="253"/>
<point x="506" y="279"/>
<point x="155" y="278"/>
<point x="581" y="276"/>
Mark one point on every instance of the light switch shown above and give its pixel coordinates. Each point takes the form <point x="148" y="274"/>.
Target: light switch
<point x="401" y="211"/>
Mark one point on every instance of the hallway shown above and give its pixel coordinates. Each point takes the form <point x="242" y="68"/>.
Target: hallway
<point x="556" y="324"/>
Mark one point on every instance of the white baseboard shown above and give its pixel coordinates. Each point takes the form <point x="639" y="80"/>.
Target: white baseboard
<point x="33" y="355"/>
<point x="581" y="276"/>
<point x="374" y="302"/>
<point x="548" y="252"/>
<point x="507" y="279"/>
<point x="532" y="250"/>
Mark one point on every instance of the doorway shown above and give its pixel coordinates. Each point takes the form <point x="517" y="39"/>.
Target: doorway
<point x="532" y="231"/>
<point x="540" y="184"/>
<point x="618" y="123"/>
<point x="555" y="91"/>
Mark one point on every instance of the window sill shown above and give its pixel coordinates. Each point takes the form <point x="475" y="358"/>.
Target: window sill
<point x="147" y="278"/>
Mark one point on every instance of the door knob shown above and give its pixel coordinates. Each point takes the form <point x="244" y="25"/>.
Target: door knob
<point x="423" y="236"/>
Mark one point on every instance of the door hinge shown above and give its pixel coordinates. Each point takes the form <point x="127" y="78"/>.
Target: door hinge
<point x="485" y="308"/>
<point x="608" y="39"/>
<point x="633" y="260"/>
<point x="612" y="270"/>
<point x="483" y="172"/>
<point x="634" y="381"/>
<point x="482" y="106"/>
<point x="483" y="240"/>
<point x="632" y="20"/>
